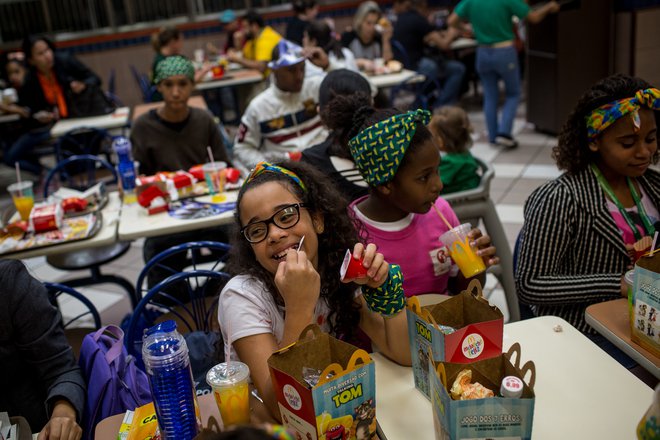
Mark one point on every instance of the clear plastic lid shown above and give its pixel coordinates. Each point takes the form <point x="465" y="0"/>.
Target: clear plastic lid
<point x="630" y="277"/>
<point x="163" y="342"/>
<point x="227" y="374"/>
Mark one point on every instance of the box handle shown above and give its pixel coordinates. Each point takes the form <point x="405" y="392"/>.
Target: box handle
<point x="474" y="288"/>
<point x="514" y="350"/>
<point x="358" y="355"/>
<point x="333" y="368"/>
<point x="442" y="374"/>
<point x="531" y="368"/>
<point x="314" y="329"/>
<point x="413" y="304"/>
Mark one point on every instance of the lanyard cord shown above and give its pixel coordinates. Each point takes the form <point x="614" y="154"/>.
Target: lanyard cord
<point x="640" y="208"/>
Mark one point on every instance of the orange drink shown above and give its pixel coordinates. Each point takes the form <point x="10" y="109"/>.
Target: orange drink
<point x="229" y="381"/>
<point x="464" y="255"/>
<point x="21" y="193"/>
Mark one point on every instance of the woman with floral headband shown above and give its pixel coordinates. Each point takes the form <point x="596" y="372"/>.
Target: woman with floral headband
<point x="292" y="233"/>
<point x="580" y="228"/>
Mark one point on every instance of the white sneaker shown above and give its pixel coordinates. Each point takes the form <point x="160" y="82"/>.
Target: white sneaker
<point x="506" y="141"/>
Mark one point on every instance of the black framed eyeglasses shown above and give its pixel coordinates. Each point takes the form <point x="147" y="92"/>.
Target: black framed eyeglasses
<point x="285" y="218"/>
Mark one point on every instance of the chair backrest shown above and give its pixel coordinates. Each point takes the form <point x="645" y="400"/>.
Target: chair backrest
<point x="79" y="172"/>
<point x="87" y="309"/>
<point x="198" y="311"/>
<point x="400" y="53"/>
<point x="482" y="191"/>
<point x="211" y="254"/>
<point x="84" y="140"/>
<point x="143" y="83"/>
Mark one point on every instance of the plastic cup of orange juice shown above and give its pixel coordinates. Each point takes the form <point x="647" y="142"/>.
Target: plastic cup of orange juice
<point x="214" y="174"/>
<point x="465" y="256"/>
<point x="229" y="381"/>
<point x="21" y="193"/>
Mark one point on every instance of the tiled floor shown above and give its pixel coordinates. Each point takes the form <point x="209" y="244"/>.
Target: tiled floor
<point x="517" y="173"/>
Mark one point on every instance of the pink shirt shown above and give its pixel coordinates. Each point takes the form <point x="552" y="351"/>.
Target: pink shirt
<point x="414" y="244"/>
<point x="626" y="232"/>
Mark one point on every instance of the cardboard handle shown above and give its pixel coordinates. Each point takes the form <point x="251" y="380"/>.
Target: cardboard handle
<point x="514" y="350"/>
<point x="474" y="288"/>
<point x="442" y="374"/>
<point x="413" y="304"/>
<point x="315" y="329"/>
<point x="531" y="368"/>
<point x="332" y="368"/>
<point x="358" y="355"/>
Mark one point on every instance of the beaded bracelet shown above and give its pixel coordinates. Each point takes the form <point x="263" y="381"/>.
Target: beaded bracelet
<point x="388" y="299"/>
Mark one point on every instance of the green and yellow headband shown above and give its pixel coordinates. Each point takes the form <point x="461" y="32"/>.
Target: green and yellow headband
<point x="173" y="66"/>
<point x="266" y="167"/>
<point x="378" y="150"/>
<point x="606" y="115"/>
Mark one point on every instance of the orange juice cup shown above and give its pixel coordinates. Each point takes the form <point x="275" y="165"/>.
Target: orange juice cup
<point x="229" y="381"/>
<point x="464" y="255"/>
<point x="21" y="193"/>
<point x="214" y="174"/>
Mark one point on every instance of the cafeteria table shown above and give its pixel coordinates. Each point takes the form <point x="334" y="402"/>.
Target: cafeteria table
<point x="611" y="319"/>
<point x="134" y="222"/>
<point x="116" y="119"/>
<point x="581" y="392"/>
<point x="386" y="80"/>
<point x="232" y="78"/>
<point x="8" y="117"/>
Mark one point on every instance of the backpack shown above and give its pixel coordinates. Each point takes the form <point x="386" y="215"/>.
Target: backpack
<point x="114" y="383"/>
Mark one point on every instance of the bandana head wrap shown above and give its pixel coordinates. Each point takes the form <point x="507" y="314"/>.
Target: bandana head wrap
<point x="608" y="114"/>
<point x="173" y="66"/>
<point x="290" y="54"/>
<point x="378" y="150"/>
<point x="266" y="167"/>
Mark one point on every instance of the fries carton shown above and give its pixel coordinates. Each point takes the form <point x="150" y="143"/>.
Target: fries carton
<point x="490" y="417"/>
<point x="478" y="329"/>
<point x="645" y="322"/>
<point x="341" y="406"/>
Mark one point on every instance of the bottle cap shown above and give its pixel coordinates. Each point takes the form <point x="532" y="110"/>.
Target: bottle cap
<point x="511" y="387"/>
<point x="164" y="327"/>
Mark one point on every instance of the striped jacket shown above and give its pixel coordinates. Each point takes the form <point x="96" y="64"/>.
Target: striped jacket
<point x="572" y="254"/>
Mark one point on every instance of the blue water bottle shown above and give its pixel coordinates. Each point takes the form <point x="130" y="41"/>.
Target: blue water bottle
<point x="166" y="360"/>
<point x="125" y="168"/>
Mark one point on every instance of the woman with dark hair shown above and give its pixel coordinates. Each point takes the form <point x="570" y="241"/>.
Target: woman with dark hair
<point x="580" y="228"/>
<point x="332" y="157"/>
<point x="292" y="233"/>
<point x="319" y="34"/>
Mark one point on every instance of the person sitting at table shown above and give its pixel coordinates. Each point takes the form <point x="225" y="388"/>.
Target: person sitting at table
<point x="332" y="156"/>
<point x="175" y="137"/>
<point x="415" y="32"/>
<point x="234" y="33"/>
<point x="305" y="12"/>
<point x="580" y="228"/>
<point x="40" y="378"/>
<point x="365" y="41"/>
<point x="291" y="234"/>
<point x="282" y="120"/>
<point x="319" y="34"/>
<point x="260" y="41"/>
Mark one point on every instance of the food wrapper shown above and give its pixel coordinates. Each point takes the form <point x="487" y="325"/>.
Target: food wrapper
<point x="46" y="217"/>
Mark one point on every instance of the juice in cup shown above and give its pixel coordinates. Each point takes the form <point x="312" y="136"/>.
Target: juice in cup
<point x="229" y="381"/>
<point x="464" y="255"/>
<point x="214" y="175"/>
<point x="21" y="193"/>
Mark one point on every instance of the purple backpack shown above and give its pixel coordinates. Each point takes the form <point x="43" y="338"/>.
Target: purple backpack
<point x="114" y="383"/>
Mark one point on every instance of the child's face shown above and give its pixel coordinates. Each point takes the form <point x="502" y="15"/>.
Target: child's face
<point x="417" y="185"/>
<point x="260" y="204"/>
<point x="623" y="151"/>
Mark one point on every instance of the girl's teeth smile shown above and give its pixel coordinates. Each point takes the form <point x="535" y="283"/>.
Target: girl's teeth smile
<point x="282" y="254"/>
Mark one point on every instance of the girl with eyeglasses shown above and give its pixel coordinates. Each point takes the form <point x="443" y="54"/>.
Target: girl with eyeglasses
<point x="284" y="282"/>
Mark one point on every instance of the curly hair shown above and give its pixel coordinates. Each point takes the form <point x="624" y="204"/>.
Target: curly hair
<point x="451" y="123"/>
<point x="572" y="152"/>
<point x="340" y="234"/>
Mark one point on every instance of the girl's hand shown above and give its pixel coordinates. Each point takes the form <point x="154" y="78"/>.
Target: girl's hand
<point x="485" y="249"/>
<point x="44" y="116"/>
<point x="298" y="282"/>
<point x="77" y="86"/>
<point x="374" y="262"/>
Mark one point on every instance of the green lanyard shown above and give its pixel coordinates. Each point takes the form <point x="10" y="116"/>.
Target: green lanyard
<point x="640" y="208"/>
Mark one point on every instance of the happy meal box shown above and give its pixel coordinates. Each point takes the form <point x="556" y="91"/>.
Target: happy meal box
<point x="341" y="405"/>
<point x="470" y="405"/>
<point x="645" y="323"/>
<point x="465" y="328"/>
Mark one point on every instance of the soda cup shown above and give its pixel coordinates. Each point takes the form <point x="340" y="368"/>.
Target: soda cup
<point x="229" y="381"/>
<point x="464" y="255"/>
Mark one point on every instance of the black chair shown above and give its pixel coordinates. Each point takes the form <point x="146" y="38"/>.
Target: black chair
<point x="78" y="326"/>
<point x="81" y="172"/>
<point x="146" y="88"/>
<point x="84" y="140"/>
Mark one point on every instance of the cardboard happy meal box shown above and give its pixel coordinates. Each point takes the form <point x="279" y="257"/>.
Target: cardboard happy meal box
<point x="489" y="417"/>
<point x="478" y="329"/>
<point x="645" y="322"/>
<point x="342" y="405"/>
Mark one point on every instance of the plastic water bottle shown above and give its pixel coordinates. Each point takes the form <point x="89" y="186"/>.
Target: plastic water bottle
<point x="125" y="168"/>
<point x="166" y="360"/>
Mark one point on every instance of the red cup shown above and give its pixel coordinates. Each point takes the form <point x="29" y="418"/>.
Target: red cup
<point x="352" y="267"/>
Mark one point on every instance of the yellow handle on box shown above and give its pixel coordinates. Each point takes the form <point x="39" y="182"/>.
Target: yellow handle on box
<point x="358" y="355"/>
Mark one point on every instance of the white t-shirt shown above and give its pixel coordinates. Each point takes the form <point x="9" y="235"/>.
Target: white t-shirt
<point x="246" y="308"/>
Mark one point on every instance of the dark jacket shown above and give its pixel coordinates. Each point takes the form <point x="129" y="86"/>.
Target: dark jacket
<point x="37" y="365"/>
<point x="67" y="68"/>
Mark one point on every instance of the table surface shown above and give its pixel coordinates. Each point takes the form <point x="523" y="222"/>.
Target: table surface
<point x="116" y="119"/>
<point x="611" y="319"/>
<point x="232" y="78"/>
<point x="393" y="79"/>
<point x="581" y="392"/>
<point x="8" y="117"/>
<point x="134" y="221"/>
<point x="140" y="109"/>
<point x="106" y="236"/>
<point x="463" y="43"/>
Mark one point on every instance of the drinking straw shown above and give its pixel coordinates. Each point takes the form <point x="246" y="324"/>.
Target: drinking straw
<point x="655" y="239"/>
<point x="215" y="169"/>
<point x="18" y="179"/>
<point x="444" y="219"/>
<point x="303" y="239"/>
<point x="228" y="346"/>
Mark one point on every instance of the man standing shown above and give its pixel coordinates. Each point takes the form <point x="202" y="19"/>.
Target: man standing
<point x="283" y="119"/>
